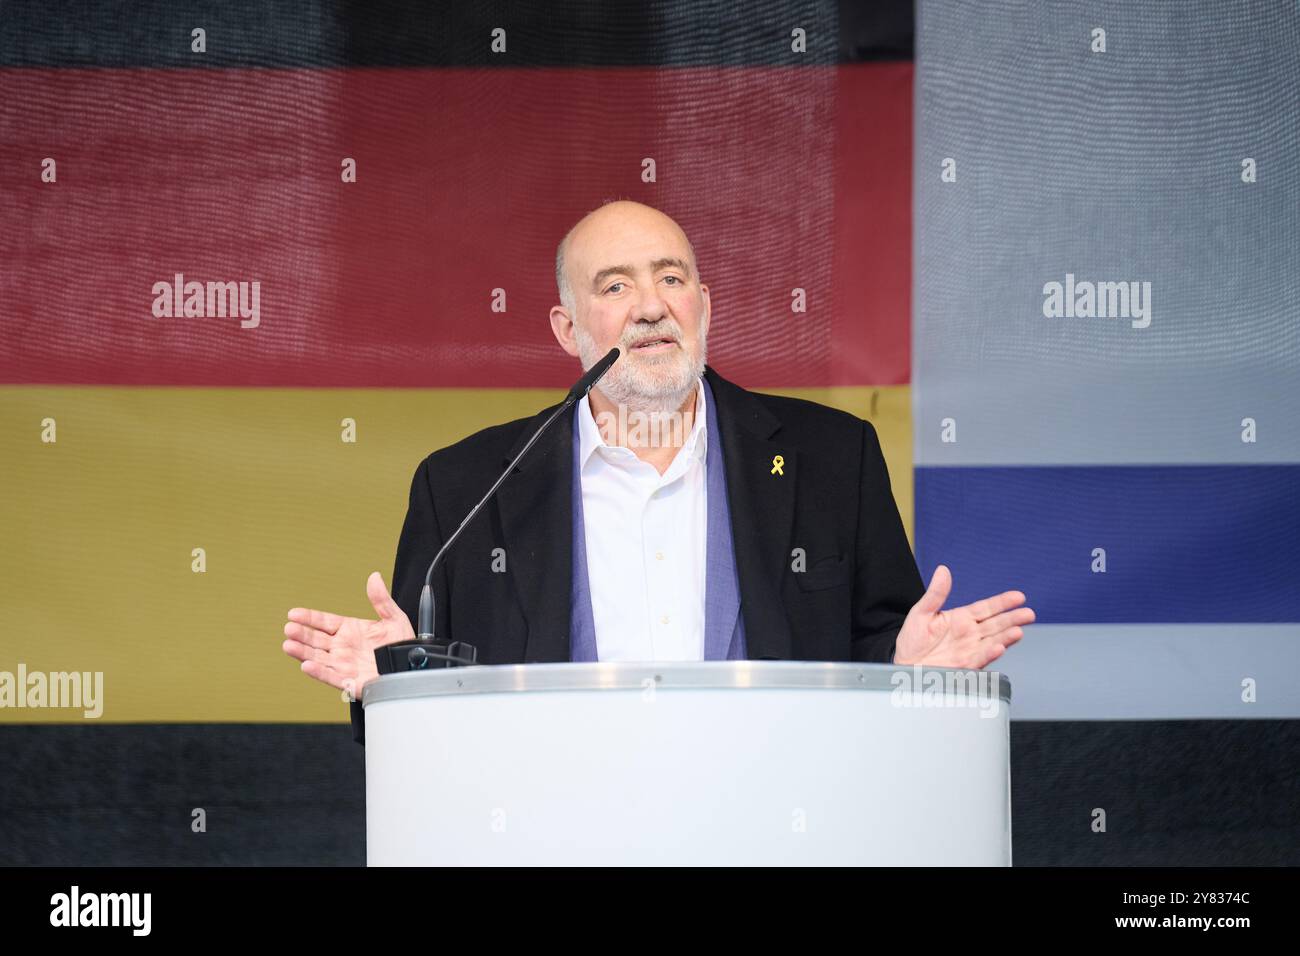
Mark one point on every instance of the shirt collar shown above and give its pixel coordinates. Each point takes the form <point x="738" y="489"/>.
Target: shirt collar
<point x="589" y="437"/>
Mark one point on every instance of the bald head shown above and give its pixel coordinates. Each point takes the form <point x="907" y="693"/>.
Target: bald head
<point x="598" y="226"/>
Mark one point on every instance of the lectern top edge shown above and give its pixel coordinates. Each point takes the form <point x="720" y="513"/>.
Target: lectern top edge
<point x="507" y="678"/>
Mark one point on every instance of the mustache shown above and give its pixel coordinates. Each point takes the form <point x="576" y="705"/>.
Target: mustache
<point x="664" y="329"/>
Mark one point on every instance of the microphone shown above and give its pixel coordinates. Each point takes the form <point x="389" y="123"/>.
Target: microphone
<point x="594" y="375"/>
<point x="416" y="655"/>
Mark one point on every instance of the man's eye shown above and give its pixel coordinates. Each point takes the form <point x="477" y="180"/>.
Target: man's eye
<point x="674" y="278"/>
<point x="611" y="288"/>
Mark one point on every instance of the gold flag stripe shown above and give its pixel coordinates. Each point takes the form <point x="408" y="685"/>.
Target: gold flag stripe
<point x="101" y="527"/>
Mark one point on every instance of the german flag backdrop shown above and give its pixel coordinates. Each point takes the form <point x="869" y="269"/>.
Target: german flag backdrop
<point x="257" y="260"/>
<point x="181" y="475"/>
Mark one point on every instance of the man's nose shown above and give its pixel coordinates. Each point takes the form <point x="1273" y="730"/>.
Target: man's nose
<point x="649" y="307"/>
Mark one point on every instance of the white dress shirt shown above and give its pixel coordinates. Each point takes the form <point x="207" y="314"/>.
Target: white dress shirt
<point x="646" y="536"/>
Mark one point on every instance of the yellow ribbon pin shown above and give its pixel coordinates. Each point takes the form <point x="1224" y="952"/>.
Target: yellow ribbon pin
<point x="777" y="464"/>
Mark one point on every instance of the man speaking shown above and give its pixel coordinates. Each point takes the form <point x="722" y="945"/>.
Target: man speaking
<point x="670" y="515"/>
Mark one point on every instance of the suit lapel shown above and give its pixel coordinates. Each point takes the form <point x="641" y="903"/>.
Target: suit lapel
<point x="762" y="512"/>
<point x="536" y="511"/>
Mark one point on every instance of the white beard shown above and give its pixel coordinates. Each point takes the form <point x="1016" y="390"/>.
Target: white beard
<point x="650" y="383"/>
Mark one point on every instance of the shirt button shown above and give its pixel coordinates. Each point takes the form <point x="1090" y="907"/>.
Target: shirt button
<point x="664" y="619"/>
<point x="659" y="555"/>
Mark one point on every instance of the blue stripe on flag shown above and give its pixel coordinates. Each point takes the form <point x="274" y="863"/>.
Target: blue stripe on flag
<point x="1212" y="543"/>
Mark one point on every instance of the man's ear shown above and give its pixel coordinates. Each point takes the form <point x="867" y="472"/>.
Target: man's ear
<point x="562" y="327"/>
<point x="708" y="308"/>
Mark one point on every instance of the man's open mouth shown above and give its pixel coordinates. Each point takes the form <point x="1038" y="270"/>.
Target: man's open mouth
<point x="648" y="345"/>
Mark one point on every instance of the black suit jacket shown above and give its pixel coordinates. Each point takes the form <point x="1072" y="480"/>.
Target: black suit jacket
<point x="833" y="500"/>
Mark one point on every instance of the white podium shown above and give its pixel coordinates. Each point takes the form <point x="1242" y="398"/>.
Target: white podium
<point x="714" y="763"/>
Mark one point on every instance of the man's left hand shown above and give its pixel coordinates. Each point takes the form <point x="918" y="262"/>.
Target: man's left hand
<point x="969" y="637"/>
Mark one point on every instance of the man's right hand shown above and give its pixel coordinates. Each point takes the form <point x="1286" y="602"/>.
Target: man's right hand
<point x="340" y="651"/>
